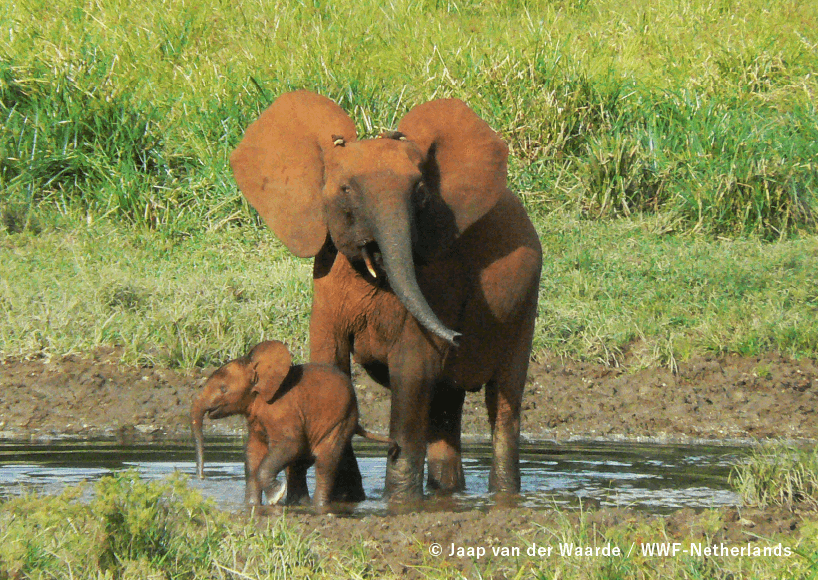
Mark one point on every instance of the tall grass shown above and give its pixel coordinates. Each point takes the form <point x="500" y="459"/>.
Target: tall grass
<point x="704" y="111"/>
<point x="134" y="529"/>
<point x="168" y="300"/>
<point x="778" y="474"/>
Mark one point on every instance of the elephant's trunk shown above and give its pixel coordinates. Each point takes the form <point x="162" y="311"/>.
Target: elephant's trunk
<point x="396" y="249"/>
<point x="197" y="412"/>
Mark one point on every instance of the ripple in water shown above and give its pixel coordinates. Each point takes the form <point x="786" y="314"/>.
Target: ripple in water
<point x="657" y="478"/>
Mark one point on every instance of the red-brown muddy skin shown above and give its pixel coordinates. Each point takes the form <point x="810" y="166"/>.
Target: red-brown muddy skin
<point x="713" y="398"/>
<point x="426" y="267"/>
<point x="297" y="416"/>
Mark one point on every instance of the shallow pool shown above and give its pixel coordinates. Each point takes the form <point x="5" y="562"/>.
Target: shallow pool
<point x="651" y="477"/>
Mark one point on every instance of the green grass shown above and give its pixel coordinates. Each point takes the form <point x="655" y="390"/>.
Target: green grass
<point x="133" y="529"/>
<point x="622" y="292"/>
<point x="180" y="301"/>
<point x="778" y="474"/>
<point x="626" y="291"/>
<point x="701" y="111"/>
<point x="658" y="150"/>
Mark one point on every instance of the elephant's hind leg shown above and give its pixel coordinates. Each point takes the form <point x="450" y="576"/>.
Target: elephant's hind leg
<point x="349" y="485"/>
<point x="328" y="458"/>
<point x="444" y="450"/>
<point x="504" y="395"/>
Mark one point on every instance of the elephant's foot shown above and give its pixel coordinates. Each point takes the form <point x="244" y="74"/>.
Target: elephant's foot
<point x="404" y="478"/>
<point x="444" y="450"/>
<point x="275" y="491"/>
<point x="445" y="469"/>
<point x="297" y="492"/>
<point x="348" y="487"/>
<point x="504" y="480"/>
<point x="252" y="495"/>
<point x="505" y="468"/>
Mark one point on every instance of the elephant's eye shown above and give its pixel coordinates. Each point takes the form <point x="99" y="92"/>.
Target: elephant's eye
<point x="223" y="389"/>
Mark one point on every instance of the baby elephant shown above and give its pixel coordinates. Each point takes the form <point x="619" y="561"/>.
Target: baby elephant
<point x="296" y="415"/>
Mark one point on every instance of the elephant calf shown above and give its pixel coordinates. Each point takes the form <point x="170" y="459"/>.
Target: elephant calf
<point x="297" y="416"/>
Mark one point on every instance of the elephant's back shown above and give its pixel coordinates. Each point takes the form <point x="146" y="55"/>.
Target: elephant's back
<point x="328" y="394"/>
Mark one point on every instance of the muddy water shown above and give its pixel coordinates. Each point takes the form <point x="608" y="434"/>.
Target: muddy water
<point x="652" y="477"/>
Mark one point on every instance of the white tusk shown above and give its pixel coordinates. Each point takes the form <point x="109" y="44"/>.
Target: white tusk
<point x="368" y="262"/>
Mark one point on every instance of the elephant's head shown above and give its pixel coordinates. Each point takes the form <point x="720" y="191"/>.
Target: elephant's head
<point x="231" y="389"/>
<point x="385" y="202"/>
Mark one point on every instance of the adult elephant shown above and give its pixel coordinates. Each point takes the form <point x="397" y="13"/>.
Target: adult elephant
<point x="426" y="269"/>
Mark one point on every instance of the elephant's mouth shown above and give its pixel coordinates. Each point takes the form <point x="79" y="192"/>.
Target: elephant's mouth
<point x="215" y="412"/>
<point x="373" y="260"/>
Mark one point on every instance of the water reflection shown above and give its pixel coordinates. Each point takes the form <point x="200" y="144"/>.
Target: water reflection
<point x="656" y="478"/>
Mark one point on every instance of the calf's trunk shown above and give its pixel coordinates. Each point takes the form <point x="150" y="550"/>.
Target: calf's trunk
<point x="197" y="411"/>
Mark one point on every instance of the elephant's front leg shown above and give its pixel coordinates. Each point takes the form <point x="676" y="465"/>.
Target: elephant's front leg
<point x="277" y="458"/>
<point x="330" y="346"/>
<point x="444" y="452"/>
<point x="411" y="375"/>
<point x="297" y="491"/>
<point x="255" y="452"/>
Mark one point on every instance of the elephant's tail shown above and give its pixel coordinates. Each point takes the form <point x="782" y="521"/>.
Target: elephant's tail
<point x="394" y="448"/>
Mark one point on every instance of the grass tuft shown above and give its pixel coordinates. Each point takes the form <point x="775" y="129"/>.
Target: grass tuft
<point x="132" y="528"/>
<point x="778" y="474"/>
<point x="137" y="529"/>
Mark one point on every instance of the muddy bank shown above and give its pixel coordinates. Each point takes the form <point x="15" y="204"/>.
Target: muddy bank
<point x="402" y="545"/>
<point x="727" y="398"/>
<point x="718" y="398"/>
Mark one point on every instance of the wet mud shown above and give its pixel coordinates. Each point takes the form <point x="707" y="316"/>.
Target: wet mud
<point x="727" y="398"/>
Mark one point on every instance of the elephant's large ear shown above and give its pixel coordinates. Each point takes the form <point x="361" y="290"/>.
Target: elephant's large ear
<point x="271" y="361"/>
<point x="466" y="160"/>
<point x="279" y="166"/>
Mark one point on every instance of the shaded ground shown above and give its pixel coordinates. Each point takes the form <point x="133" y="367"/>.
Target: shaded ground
<point x="708" y="398"/>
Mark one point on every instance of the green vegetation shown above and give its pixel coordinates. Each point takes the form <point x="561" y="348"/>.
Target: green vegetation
<point x="666" y="152"/>
<point x="131" y="529"/>
<point x="777" y="474"/>
<point x="617" y="292"/>
<point x="135" y="530"/>
<point x="178" y="301"/>
<point x="667" y="155"/>
<point x="701" y="111"/>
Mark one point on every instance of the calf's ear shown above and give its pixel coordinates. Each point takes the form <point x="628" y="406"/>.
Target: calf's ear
<point x="271" y="362"/>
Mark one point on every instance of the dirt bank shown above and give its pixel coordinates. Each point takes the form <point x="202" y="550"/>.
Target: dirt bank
<point x="707" y="398"/>
<point x="403" y="545"/>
